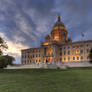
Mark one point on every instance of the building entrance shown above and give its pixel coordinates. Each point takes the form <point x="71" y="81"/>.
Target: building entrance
<point x="48" y="59"/>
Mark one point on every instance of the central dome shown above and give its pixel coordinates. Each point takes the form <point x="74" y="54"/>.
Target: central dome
<point x="59" y="32"/>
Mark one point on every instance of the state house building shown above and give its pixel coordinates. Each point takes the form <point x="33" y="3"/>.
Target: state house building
<point x="57" y="48"/>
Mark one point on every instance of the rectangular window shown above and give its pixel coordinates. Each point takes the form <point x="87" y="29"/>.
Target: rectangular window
<point x="64" y="47"/>
<point x="60" y="53"/>
<point x="77" y="58"/>
<point x="87" y="50"/>
<point x="36" y="61"/>
<point x="36" y="55"/>
<point x="68" y="52"/>
<point x="73" y="58"/>
<point x="60" y="49"/>
<point x="81" y="57"/>
<point x="39" y="50"/>
<point x="69" y="58"/>
<point x="81" y="45"/>
<point x="64" y="52"/>
<point x="68" y="47"/>
<point x="33" y="51"/>
<point x="87" y="57"/>
<point x="60" y="59"/>
<point x="81" y="51"/>
<point x="87" y="45"/>
<point x="64" y="58"/>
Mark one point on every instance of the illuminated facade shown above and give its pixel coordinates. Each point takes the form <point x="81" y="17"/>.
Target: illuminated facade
<point x="58" y="48"/>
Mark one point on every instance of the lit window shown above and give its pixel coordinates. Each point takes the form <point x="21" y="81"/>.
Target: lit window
<point x="78" y="51"/>
<point x="73" y="58"/>
<point x="77" y="58"/>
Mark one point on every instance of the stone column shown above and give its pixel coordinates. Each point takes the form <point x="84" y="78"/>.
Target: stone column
<point x="54" y="54"/>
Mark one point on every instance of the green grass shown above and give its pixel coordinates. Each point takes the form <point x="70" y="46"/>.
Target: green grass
<point x="39" y="80"/>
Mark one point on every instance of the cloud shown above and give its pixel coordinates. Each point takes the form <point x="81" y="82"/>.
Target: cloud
<point x="14" y="48"/>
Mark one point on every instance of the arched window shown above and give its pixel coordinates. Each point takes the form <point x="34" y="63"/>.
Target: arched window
<point x="68" y="52"/>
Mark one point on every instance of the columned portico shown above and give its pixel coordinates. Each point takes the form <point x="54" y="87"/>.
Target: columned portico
<point x="50" y="55"/>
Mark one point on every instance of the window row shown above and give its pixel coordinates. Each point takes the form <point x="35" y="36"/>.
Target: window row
<point x="65" y="53"/>
<point x="77" y="51"/>
<point x="30" y="61"/>
<point x="31" y="51"/>
<point x="32" y="56"/>
<point x="65" y="48"/>
<point x="68" y="47"/>
<point x="73" y="58"/>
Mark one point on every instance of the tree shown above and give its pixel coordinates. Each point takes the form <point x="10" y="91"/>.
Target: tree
<point x="9" y="59"/>
<point x="6" y="60"/>
<point x="3" y="45"/>
<point x="2" y="62"/>
<point x="90" y="56"/>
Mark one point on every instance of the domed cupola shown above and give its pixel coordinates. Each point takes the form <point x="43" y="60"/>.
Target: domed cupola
<point x="59" y="23"/>
<point x="47" y="38"/>
<point x="59" y="32"/>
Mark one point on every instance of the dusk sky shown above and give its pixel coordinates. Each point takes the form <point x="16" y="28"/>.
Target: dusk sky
<point x="25" y="23"/>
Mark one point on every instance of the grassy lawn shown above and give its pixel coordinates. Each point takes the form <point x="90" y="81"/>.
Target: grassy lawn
<point x="38" y="80"/>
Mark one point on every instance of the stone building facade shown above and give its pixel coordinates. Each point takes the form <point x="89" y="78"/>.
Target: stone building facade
<point x="57" y="48"/>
